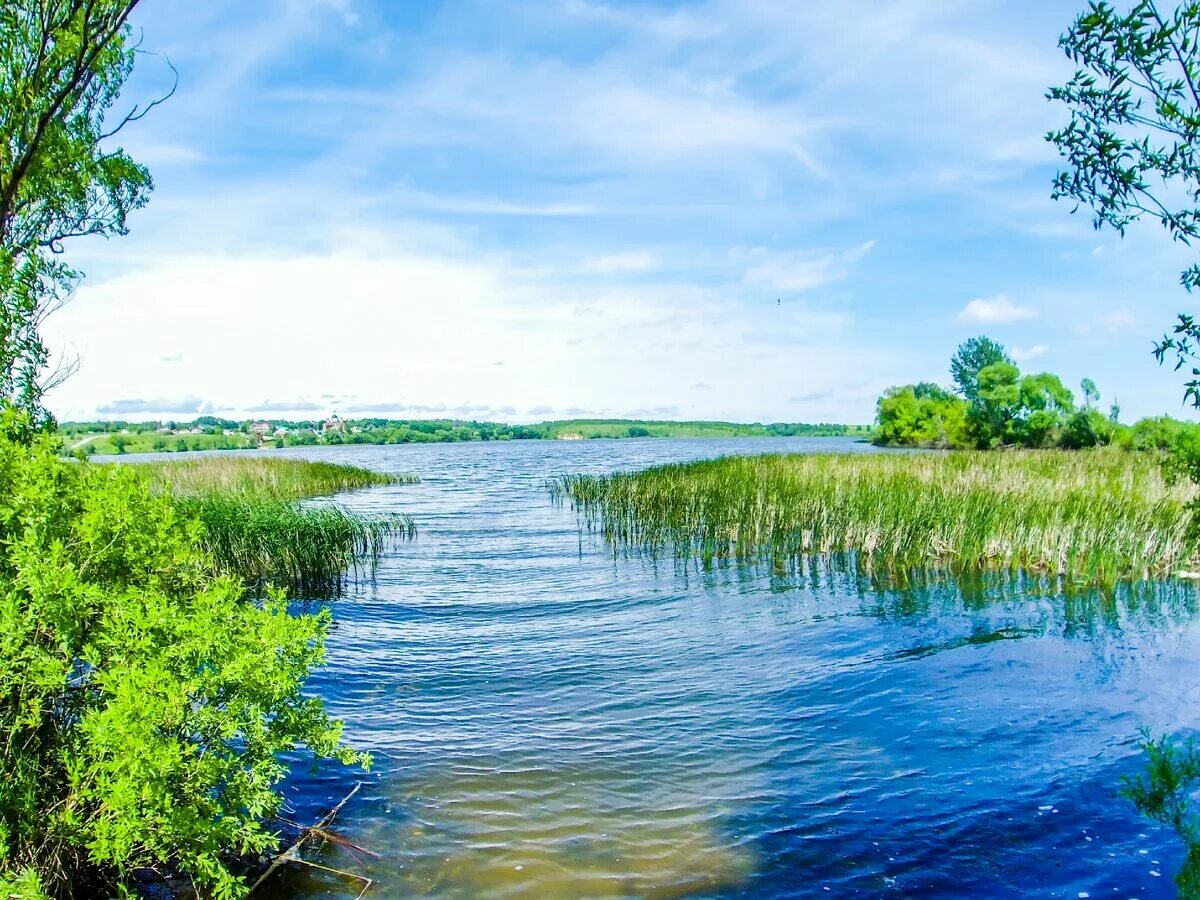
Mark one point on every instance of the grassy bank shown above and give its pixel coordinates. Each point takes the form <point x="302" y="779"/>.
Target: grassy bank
<point x="256" y="527"/>
<point x="1092" y="516"/>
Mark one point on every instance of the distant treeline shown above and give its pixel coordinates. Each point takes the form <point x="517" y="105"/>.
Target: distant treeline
<point x="992" y="404"/>
<point x="215" y="433"/>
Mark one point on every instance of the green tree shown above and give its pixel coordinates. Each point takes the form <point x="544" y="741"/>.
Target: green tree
<point x="1087" y="428"/>
<point x="118" y="443"/>
<point x="996" y="405"/>
<point x="1091" y="394"/>
<point x="928" y="390"/>
<point x="1131" y="145"/>
<point x="972" y="357"/>
<point x="62" y="66"/>
<point x="1045" y="403"/>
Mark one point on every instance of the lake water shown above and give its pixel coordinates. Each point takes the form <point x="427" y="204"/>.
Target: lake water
<point x="550" y="721"/>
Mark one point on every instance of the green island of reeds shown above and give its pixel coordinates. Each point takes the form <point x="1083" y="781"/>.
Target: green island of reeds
<point x="256" y="526"/>
<point x="1094" y="516"/>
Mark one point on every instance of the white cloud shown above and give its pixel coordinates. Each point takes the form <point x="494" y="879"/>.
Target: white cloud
<point x="1117" y="321"/>
<point x="412" y="198"/>
<point x="1021" y="354"/>
<point x="449" y="314"/>
<point x="676" y="25"/>
<point x="998" y="310"/>
<point x="629" y="262"/>
<point x="139" y="407"/>
<point x="800" y="271"/>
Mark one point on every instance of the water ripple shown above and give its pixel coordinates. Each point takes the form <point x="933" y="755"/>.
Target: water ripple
<point x="550" y="721"/>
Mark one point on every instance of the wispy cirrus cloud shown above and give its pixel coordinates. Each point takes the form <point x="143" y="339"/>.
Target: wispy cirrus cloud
<point x="803" y="270"/>
<point x="1027" y="354"/>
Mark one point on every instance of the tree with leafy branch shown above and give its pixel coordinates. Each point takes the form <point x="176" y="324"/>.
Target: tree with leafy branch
<point x="1132" y="149"/>
<point x="1132" y="145"/>
<point x="62" y="66"/>
<point x="147" y="702"/>
<point x="971" y="358"/>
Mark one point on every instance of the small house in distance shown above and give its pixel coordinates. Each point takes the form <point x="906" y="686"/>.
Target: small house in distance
<point x="332" y="424"/>
<point x="261" y="429"/>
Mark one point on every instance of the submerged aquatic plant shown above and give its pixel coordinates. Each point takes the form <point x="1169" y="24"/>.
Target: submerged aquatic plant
<point x="255" y="527"/>
<point x="1086" y="516"/>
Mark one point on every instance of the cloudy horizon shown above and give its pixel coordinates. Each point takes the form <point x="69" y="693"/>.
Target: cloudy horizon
<point x="686" y="210"/>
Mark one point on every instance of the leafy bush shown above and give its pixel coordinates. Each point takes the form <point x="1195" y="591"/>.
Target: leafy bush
<point x="1164" y="793"/>
<point x="932" y="418"/>
<point x="144" y="701"/>
<point x="1087" y="428"/>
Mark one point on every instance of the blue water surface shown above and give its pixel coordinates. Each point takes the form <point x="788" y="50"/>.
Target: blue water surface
<point x="549" y="720"/>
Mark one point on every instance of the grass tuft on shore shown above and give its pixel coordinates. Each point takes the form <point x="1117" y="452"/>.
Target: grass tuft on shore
<point x="1095" y="516"/>
<point x="256" y="526"/>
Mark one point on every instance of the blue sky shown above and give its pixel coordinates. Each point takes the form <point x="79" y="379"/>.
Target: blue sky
<point x="759" y="210"/>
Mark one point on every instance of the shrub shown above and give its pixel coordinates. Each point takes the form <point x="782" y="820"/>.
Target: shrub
<point x="144" y="701"/>
<point x="921" y="415"/>
<point x="1087" y="428"/>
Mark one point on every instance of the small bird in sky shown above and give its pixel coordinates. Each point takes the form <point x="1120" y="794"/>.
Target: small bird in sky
<point x="779" y="301"/>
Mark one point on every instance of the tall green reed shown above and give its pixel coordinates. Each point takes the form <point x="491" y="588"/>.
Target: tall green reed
<point x="1086" y="516"/>
<point x="256" y="527"/>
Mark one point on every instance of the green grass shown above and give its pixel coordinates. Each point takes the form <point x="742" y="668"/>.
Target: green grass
<point x="256" y="528"/>
<point x="1087" y="516"/>
<point x="150" y="442"/>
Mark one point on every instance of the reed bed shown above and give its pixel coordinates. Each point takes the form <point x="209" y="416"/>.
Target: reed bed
<point x="277" y="478"/>
<point x="1094" y="516"/>
<point x="256" y="526"/>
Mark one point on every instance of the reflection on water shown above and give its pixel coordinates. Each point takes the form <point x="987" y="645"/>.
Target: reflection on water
<point x="549" y="721"/>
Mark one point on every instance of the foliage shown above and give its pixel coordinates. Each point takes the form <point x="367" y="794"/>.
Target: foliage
<point x="1087" y="428"/>
<point x="1101" y="515"/>
<point x="62" y="66"/>
<point x="996" y="405"/>
<point x="999" y="407"/>
<point x="915" y="416"/>
<point x="1157" y="433"/>
<point x="1164" y="793"/>
<point x="1131" y="145"/>
<point x="972" y="357"/>
<point x="144" y="701"/>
